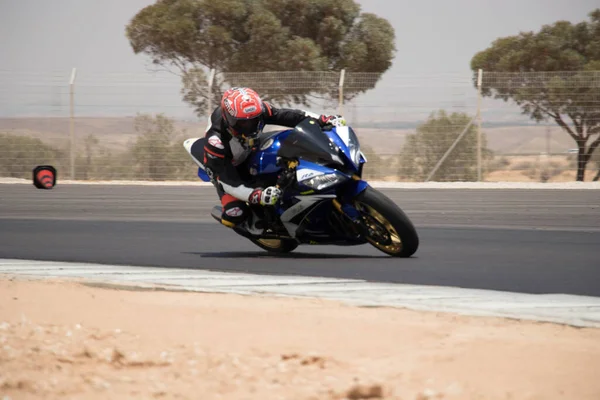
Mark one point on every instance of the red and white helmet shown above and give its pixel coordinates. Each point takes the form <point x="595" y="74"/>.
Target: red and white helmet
<point x="243" y="110"/>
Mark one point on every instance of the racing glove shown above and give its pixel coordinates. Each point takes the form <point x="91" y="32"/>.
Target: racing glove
<point x="334" y="120"/>
<point x="265" y="197"/>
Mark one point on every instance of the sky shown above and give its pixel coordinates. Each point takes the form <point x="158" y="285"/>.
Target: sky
<point x="434" y="39"/>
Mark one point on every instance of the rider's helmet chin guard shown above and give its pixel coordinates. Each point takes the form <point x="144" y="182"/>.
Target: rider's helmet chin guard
<point x="243" y="111"/>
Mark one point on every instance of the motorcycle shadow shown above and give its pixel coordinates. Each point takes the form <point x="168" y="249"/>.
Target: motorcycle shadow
<point x="259" y="254"/>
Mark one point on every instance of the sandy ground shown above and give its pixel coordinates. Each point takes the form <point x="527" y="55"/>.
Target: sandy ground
<point x="67" y="340"/>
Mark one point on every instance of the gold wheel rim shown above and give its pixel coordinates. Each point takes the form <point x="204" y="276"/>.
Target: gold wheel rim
<point x="396" y="245"/>
<point x="270" y="243"/>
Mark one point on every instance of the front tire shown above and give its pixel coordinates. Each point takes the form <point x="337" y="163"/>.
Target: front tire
<point x="278" y="246"/>
<point x="388" y="227"/>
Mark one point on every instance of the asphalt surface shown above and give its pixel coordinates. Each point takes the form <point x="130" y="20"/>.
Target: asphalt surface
<point x="530" y="241"/>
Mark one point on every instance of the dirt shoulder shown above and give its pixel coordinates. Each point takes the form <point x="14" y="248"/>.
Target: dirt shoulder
<point x="67" y="340"/>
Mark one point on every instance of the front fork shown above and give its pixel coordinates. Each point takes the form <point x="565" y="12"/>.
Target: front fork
<point x="344" y="205"/>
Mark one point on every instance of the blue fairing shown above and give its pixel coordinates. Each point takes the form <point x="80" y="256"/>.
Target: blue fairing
<point x="203" y="175"/>
<point x="334" y="137"/>
<point x="347" y="190"/>
<point x="264" y="161"/>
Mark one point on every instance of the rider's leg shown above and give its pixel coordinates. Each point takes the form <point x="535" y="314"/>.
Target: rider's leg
<point x="235" y="211"/>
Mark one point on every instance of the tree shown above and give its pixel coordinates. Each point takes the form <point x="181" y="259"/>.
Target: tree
<point x="569" y="90"/>
<point x="375" y="168"/>
<point x="157" y="151"/>
<point x="86" y="162"/>
<point x="191" y="37"/>
<point x="596" y="160"/>
<point x="425" y="148"/>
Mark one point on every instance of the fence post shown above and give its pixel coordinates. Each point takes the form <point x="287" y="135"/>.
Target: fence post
<point x="341" y="92"/>
<point x="72" y="121"/>
<point x="211" y="79"/>
<point x="479" y="84"/>
<point x="437" y="166"/>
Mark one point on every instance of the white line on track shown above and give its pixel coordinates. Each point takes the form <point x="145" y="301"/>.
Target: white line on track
<point x="572" y="310"/>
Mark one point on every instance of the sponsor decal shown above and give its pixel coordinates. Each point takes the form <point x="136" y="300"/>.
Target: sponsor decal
<point x="234" y="212"/>
<point x="227" y="103"/>
<point x="305" y="174"/>
<point x="255" y="197"/>
<point x="250" y="109"/>
<point x="216" y="142"/>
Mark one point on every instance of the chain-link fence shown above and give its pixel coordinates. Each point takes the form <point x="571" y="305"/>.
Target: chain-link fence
<point x="411" y="127"/>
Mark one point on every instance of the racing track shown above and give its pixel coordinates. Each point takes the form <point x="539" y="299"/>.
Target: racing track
<point x="531" y="241"/>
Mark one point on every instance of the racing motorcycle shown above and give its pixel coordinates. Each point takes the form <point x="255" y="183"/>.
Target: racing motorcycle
<point x="324" y="200"/>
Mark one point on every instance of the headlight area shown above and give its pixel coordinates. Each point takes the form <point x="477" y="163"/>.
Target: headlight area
<point x="322" y="182"/>
<point x="354" y="147"/>
<point x="355" y="154"/>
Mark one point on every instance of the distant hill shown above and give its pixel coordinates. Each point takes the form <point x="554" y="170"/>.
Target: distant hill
<point x="112" y="133"/>
<point x="116" y="133"/>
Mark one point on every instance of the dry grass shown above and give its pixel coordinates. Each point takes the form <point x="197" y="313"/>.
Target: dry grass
<point x="117" y="133"/>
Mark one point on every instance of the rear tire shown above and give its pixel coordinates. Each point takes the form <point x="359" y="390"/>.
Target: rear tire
<point x="390" y="230"/>
<point x="278" y="246"/>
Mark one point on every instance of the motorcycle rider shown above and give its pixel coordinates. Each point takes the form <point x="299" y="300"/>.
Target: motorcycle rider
<point x="230" y="139"/>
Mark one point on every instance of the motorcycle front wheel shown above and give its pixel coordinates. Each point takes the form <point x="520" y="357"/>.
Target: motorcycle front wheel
<point x="387" y="226"/>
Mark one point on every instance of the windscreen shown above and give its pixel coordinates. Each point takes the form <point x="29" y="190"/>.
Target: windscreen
<point x="308" y="142"/>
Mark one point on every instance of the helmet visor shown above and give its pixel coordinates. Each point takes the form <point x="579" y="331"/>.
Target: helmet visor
<point x="247" y="127"/>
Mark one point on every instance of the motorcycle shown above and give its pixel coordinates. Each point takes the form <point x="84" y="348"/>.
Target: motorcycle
<point x="324" y="200"/>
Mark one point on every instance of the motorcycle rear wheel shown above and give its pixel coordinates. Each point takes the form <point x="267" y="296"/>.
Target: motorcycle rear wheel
<point x="388" y="227"/>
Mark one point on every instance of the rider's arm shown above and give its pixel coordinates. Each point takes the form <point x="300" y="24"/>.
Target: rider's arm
<point x="233" y="185"/>
<point x="286" y="116"/>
